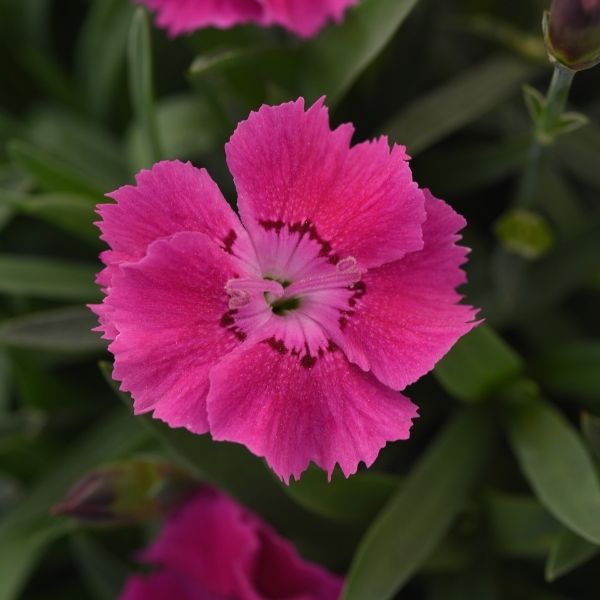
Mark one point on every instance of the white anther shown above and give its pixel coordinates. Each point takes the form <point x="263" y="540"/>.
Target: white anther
<point x="346" y="264"/>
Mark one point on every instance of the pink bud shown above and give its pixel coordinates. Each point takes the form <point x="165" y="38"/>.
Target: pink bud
<point x="573" y="33"/>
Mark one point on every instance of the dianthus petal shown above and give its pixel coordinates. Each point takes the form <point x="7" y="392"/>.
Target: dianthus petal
<point x="290" y="168"/>
<point x="184" y="16"/>
<point x="331" y="412"/>
<point x="211" y="540"/>
<point x="229" y="552"/>
<point x="305" y="17"/>
<point x="169" y="198"/>
<point x="281" y="572"/>
<point x="168" y="309"/>
<point x="409" y="315"/>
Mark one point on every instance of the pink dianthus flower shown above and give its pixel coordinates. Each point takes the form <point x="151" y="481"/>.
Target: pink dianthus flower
<point x="211" y="548"/>
<point x="293" y="330"/>
<point x="303" y="17"/>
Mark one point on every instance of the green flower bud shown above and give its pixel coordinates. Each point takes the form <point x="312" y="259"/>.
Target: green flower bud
<point x="126" y="492"/>
<point x="572" y="33"/>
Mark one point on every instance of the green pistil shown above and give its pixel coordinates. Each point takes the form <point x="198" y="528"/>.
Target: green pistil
<point x="280" y="307"/>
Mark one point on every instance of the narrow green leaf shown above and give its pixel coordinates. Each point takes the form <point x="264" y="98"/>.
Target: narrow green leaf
<point x="47" y="278"/>
<point x="458" y="103"/>
<point x="590" y="425"/>
<point x="519" y="525"/>
<point x="463" y="168"/>
<point x="188" y="129"/>
<point x="58" y="330"/>
<point x="358" y="498"/>
<point x="6" y="214"/>
<point x="333" y="61"/>
<point x="568" y="552"/>
<point x="219" y="59"/>
<point x="5" y="380"/>
<point x="556" y="464"/>
<point x="417" y="518"/>
<point x="571" y="369"/>
<point x="50" y="173"/>
<point x="20" y="553"/>
<point x="73" y="213"/>
<point x="100" y="65"/>
<point x="478" y="365"/>
<point x="141" y="88"/>
<point x="89" y="150"/>
<point x="103" y="573"/>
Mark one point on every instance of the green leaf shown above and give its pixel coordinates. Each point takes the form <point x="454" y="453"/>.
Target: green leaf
<point x="6" y="214"/>
<point x="519" y="525"/>
<point x="100" y="65"/>
<point x="71" y="212"/>
<point x="571" y="369"/>
<point x="103" y="573"/>
<point x="88" y="149"/>
<point x="461" y="101"/>
<point x="219" y="59"/>
<point x="527" y="45"/>
<point x="357" y="498"/>
<point x="570" y="121"/>
<point x="535" y="102"/>
<point x="49" y="172"/>
<point x="59" y="330"/>
<point x="188" y="129"/>
<point x="417" y="518"/>
<point x="461" y="169"/>
<point x="590" y="425"/>
<point x="568" y="552"/>
<point x="5" y="380"/>
<point x="141" y="90"/>
<point x="557" y="465"/>
<point x="333" y="61"/>
<point x="479" y="364"/>
<point x="47" y="278"/>
<point x="19" y="554"/>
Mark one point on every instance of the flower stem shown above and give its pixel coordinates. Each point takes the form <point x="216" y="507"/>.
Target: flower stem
<point x="544" y="132"/>
<point x="511" y="268"/>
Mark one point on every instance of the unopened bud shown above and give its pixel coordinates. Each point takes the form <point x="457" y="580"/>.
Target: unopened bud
<point x="572" y="32"/>
<point x="126" y="492"/>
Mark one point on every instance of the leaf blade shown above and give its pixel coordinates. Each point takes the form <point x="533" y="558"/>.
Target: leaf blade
<point x="433" y="495"/>
<point x="557" y="465"/>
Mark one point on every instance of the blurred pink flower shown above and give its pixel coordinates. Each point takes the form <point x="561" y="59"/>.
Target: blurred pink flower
<point x="212" y="548"/>
<point x="293" y="333"/>
<point x="303" y="17"/>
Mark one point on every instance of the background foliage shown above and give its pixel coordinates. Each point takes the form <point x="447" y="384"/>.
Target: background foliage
<point x="496" y="495"/>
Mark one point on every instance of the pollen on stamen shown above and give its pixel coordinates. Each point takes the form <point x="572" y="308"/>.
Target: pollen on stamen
<point x="238" y="298"/>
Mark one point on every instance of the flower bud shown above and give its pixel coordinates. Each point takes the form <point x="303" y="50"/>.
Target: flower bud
<point x="126" y="492"/>
<point x="572" y="32"/>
